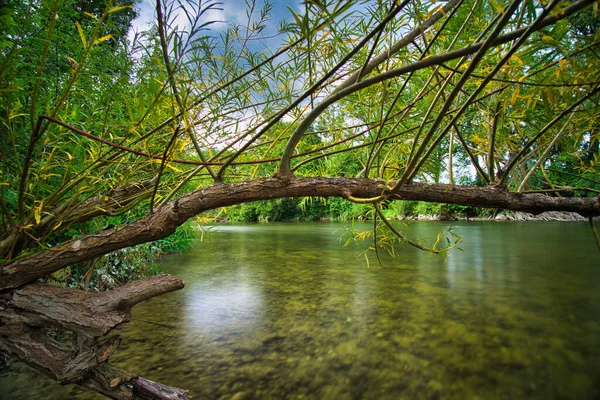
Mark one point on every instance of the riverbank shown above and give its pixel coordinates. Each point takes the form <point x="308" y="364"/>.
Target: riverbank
<point x="501" y="215"/>
<point x="319" y="209"/>
<point x="115" y="269"/>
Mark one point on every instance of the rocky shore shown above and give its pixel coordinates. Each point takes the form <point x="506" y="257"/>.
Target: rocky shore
<point x="502" y="216"/>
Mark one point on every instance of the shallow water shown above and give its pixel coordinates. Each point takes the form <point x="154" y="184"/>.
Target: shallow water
<point x="282" y="311"/>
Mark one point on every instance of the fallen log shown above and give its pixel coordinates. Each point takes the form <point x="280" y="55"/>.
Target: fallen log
<point x="118" y="384"/>
<point x="68" y="334"/>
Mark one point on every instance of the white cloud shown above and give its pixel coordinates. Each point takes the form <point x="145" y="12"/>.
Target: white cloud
<point x="144" y="20"/>
<point x="228" y="12"/>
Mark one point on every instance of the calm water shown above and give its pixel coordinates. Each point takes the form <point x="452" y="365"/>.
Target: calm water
<point x="281" y="311"/>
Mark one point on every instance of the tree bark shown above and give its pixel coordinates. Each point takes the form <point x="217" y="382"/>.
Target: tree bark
<point x="113" y="202"/>
<point x="167" y="218"/>
<point x="67" y="334"/>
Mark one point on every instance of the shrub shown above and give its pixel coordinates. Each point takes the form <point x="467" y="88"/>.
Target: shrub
<point x="403" y="208"/>
<point x="425" y="208"/>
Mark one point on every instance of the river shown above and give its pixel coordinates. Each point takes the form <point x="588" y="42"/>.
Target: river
<point x="283" y="311"/>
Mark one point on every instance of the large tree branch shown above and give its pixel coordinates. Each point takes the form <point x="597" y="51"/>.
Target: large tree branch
<point x="113" y="202"/>
<point x="167" y="218"/>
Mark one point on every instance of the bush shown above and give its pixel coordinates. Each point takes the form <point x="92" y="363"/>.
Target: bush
<point x="403" y="208"/>
<point x="283" y="210"/>
<point x="338" y="208"/>
<point x="457" y="211"/>
<point x="313" y="208"/>
<point x="117" y="268"/>
<point x="248" y="213"/>
<point x="424" y="208"/>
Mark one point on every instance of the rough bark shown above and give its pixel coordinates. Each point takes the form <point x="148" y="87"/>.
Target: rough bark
<point x="165" y="220"/>
<point x="67" y="333"/>
<point x="113" y="202"/>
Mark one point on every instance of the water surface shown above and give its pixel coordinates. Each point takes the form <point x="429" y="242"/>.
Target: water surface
<point x="282" y="311"/>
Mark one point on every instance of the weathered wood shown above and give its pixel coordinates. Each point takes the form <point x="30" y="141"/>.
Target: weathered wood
<point x="147" y="389"/>
<point x="118" y="384"/>
<point x="167" y="218"/>
<point x="89" y="314"/>
<point x="113" y="202"/>
<point x="110" y="381"/>
<point x="66" y="332"/>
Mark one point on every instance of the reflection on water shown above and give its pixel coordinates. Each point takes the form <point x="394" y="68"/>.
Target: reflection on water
<point x="281" y="311"/>
<point x="225" y="307"/>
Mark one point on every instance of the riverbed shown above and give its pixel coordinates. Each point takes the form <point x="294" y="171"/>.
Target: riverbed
<point x="283" y="311"/>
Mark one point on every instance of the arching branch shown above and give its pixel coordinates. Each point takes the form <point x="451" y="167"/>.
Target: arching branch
<point x="168" y="217"/>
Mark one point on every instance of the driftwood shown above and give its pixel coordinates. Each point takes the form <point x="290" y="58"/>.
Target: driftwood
<point x="117" y="384"/>
<point x="68" y="334"/>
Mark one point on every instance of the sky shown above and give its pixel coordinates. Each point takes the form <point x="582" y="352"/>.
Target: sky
<point x="231" y="11"/>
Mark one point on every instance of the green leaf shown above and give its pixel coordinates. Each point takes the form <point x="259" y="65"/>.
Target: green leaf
<point x="36" y="214"/>
<point x="347" y="242"/>
<point x="81" y="35"/>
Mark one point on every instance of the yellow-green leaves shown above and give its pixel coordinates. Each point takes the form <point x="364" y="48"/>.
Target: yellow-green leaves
<point x="497" y="6"/>
<point x="81" y="34"/>
<point x="103" y="38"/>
<point x="115" y="9"/>
<point x="37" y="212"/>
<point x="84" y="40"/>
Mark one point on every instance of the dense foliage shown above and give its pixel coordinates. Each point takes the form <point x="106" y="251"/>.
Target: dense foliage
<point x="71" y="59"/>
<point x="337" y="209"/>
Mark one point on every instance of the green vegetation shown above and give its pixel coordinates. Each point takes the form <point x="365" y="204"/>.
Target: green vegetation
<point x="336" y="209"/>
<point x="305" y="209"/>
<point x="132" y="263"/>
<point x="83" y="74"/>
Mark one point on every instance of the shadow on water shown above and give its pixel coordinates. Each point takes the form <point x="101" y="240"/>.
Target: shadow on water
<point x="282" y="311"/>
